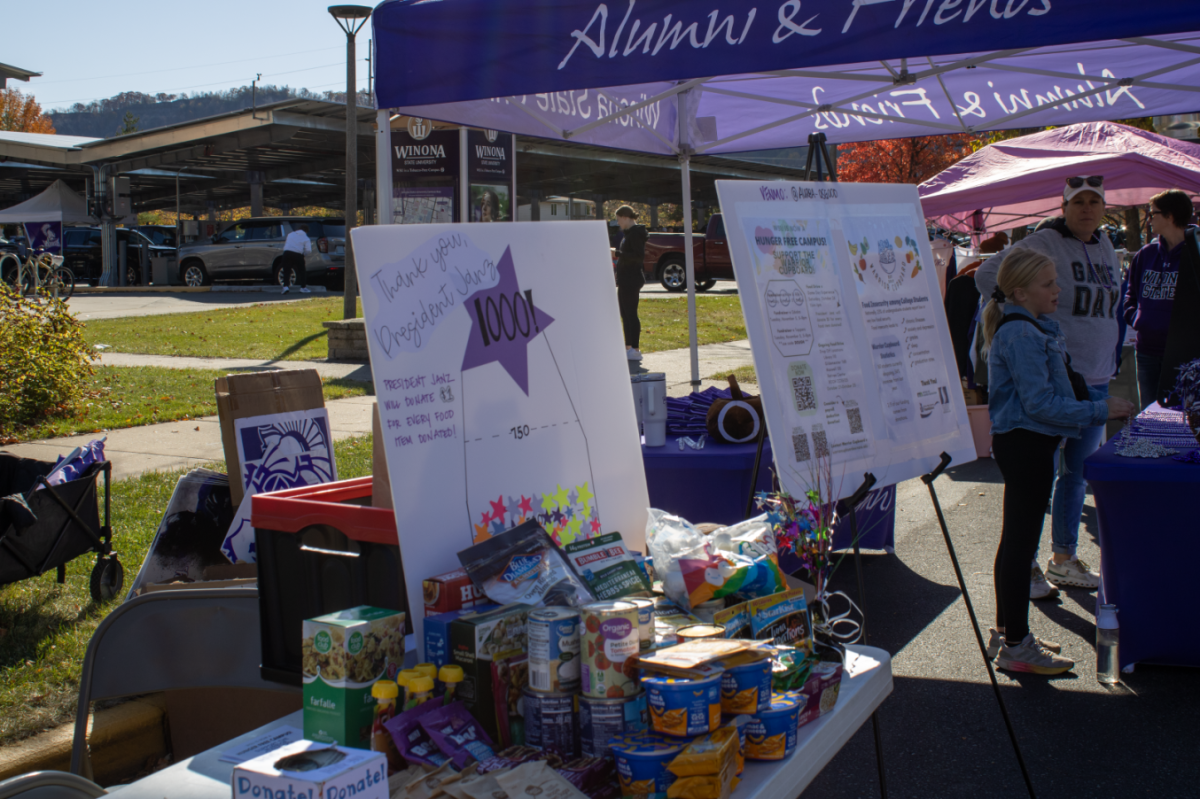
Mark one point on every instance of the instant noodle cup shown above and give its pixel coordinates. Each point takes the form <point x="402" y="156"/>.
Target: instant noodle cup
<point x="683" y="707"/>
<point x="772" y="733"/>
<point x="746" y="688"/>
<point x="642" y="759"/>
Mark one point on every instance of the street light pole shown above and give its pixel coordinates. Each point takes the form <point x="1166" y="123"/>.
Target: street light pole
<point x="351" y="19"/>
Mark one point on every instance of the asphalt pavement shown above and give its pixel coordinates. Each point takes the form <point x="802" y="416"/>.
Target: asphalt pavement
<point x="111" y="306"/>
<point x="942" y="731"/>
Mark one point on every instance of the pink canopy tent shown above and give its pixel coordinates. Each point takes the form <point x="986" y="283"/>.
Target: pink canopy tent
<point x="1020" y="181"/>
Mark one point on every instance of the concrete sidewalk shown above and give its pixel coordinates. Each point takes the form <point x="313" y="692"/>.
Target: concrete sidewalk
<point x="174" y="445"/>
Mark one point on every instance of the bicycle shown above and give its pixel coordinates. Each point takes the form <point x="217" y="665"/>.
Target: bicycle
<point x="40" y="271"/>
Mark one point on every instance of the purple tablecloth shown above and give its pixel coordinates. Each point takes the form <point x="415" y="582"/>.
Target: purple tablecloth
<point x="1146" y="516"/>
<point x="712" y="485"/>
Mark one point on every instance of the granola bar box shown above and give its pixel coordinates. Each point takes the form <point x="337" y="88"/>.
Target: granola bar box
<point x="344" y="654"/>
<point x="477" y="640"/>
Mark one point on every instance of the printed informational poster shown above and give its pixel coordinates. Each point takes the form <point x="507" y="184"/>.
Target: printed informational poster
<point x="503" y="388"/>
<point x="846" y="325"/>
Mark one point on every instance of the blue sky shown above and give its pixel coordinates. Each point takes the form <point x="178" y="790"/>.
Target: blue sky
<point x="89" y="51"/>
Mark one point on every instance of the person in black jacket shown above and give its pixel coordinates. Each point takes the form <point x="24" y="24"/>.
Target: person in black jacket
<point x="630" y="278"/>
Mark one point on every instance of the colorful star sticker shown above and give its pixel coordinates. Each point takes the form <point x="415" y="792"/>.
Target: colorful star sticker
<point x="572" y="530"/>
<point x="548" y="502"/>
<point x="484" y="518"/>
<point x="498" y="508"/>
<point x="595" y="527"/>
<point x="481" y="533"/>
<point x="504" y="305"/>
<point x="573" y="497"/>
<point x="513" y="508"/>
<point x="525" y="506"/>
<point x="497" y="527"/>
<point x="560" y="497"/>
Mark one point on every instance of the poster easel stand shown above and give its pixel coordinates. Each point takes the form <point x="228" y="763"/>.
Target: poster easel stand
<point x="928" y="479"/>
<point x="818" y="152"/>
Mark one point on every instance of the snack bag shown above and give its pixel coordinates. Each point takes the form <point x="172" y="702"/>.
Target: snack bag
<point x="457" y="734"/>
<point x="412" y="741"/>
<point x="523" y="565"/>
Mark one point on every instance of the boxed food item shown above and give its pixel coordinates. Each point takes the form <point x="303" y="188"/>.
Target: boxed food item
<point x="313" y="770"/>
<point x="607" y="566"/>
<point x="343" y="655"/>
<point x="450" y="591"/>
<point x="782" y="618"/>
<point x="477" y="640"/>
<point x="821" y="690"/>
<point x="437" y="633"/>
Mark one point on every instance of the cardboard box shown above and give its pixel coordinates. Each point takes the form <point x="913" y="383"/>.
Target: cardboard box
<point x="342" y="656"/>
<point x="450" y="591"/>
<point x="437" y="633"/>
<point x="477" y="639"/>
<point x="289" y="772"/>
<point x="258" y="394"/>
<point x="381" y="486"/>
<point x="821" y="691"/>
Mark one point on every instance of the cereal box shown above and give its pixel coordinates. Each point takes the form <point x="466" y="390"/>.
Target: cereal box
<point x="450" y="591"/>
<point x="477" y="640"/>
<point x="312" y="770"/>
<point x="344" y="653"/>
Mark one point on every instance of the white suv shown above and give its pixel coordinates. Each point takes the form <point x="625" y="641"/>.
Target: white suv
<point x="253" y="248"/>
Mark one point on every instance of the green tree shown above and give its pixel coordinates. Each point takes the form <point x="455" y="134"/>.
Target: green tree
<point x="129" y="124"/>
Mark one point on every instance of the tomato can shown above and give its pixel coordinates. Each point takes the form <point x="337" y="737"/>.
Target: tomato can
<point x="609" y="642"/>
<point x="553" y="635"/>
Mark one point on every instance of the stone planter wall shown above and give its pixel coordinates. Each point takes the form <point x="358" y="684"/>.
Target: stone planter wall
<point x="347" y="340"/>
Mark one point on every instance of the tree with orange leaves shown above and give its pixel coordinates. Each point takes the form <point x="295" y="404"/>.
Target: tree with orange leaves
<point x="901" y="160"/>
<point x="22" y="113"/>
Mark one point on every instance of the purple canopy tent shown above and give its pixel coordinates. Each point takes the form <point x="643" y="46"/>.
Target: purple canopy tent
<point x="688" y="79"/>
<point x="1019" y="181"/>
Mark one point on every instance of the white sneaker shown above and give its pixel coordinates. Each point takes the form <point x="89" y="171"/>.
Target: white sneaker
<point x="1032" y="657"/>
<point x="996" y="640"/>
<point x="632" y="354"/>
<point x="1039" y="588"/>
<point x="305" y="291"/>
<point x="1072" y="572"/>
<point x="284" y="290"/>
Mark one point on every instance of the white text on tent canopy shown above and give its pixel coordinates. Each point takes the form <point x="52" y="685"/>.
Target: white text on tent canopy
<point x="417" y="292"/>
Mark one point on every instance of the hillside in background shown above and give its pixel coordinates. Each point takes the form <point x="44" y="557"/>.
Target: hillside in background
<point x="105" y="118"/>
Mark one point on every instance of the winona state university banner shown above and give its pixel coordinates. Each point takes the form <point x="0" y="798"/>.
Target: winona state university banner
<point x="502" y="384"/>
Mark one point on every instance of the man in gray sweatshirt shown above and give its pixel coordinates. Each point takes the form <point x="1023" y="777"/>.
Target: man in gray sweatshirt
<point x="1090" y="277"/>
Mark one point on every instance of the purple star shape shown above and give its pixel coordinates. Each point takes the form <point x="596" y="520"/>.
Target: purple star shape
<point x="483" y="346"/>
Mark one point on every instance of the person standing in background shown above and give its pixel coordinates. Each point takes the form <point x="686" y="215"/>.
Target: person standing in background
<point x="1089" y="275"/>
<point x="295" y="247"/>
<point x="630" y="278"/>
<point x="1151" y="292"/>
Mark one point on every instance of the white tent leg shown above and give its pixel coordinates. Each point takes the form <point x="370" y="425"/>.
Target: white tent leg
<point x="689" y="258"/>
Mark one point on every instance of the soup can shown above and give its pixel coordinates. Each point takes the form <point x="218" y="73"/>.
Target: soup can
<point x="550" y="722"/>
<point x="602" y="719"/>
<point x="609" y="643"/>
<point x="706" y="610"/>
<point x="645" y="622"/>
<point x="553" y="635"/>
<point x="694" y="632"/>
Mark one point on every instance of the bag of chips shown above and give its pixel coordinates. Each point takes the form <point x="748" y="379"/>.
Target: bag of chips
<point x="523" y="565"/>
<point x="457" y="734"/>
<point x="412" y="741"/>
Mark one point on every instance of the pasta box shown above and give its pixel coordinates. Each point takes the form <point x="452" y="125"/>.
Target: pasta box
<point x="313" y="771"/>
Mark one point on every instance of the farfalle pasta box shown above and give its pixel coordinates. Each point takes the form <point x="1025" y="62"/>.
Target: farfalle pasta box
<point x="310" y="770"/>
<point x="343" y="655"/>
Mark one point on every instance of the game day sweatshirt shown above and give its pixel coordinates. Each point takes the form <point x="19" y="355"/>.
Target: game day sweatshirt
<point x="1151" y="294"/>
<point x="1090" y="279"/>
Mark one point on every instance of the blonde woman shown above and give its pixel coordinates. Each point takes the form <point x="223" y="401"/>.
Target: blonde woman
<point x="1033" y="407"/>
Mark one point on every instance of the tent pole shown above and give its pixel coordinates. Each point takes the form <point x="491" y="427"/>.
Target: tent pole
<point x="689" y="255"/>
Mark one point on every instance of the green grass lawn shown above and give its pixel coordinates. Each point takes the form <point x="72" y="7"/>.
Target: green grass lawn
<point x="292" y="331"/>
<point x="45" y="627"/>
<point x="289" y="331"/>
<point x="117" y="397"/>
<point x="744" y="374"/>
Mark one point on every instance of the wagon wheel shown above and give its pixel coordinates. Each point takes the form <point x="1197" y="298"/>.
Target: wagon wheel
<point x="108" y="577"/>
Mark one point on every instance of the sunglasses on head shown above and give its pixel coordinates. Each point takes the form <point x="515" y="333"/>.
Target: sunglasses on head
<point x="1095" y="181"/>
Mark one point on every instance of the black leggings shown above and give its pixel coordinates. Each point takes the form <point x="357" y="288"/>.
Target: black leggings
<point x="1026" y="459"/>
<point x="294" y="262"/>
<point x="627" y="302"/>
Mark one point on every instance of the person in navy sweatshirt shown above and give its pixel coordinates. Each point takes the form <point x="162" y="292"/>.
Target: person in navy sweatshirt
<point x="1151" y="292"/>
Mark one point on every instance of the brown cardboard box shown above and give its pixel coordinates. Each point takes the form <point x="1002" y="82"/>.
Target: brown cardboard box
<point x="381" y="486"/>
<point x="258" y="394"/>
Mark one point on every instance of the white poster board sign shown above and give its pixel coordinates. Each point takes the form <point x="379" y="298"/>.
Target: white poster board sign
<point x="847" y="329"/>
<point x="503" y="386"/>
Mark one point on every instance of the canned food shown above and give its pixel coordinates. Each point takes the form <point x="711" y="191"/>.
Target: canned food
<point x="645" y="622"/>
<point x="553" y="635"/>
<point x="550" y="722"/>
<point x="682" y="707"/>
<point x="693" y="632"/>
<point x="608" y="645"/>
<point x="706" y="610"/>
<point x="602" y="719"/>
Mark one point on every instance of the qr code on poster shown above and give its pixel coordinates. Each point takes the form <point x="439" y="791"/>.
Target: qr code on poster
<point x="820" y="444"/>
<point x="800" y="445"/>
<point x="855" y="417"/>
<point x="802" y="392"/>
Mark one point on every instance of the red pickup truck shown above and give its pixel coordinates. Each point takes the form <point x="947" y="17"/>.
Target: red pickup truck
<point x="665" y="253"/>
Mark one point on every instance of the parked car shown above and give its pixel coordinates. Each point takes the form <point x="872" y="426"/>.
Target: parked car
<point x="253" y="248"/>
<point x="665" y="257"/>
<point x="84" y="256"/>
<point x="162" y="235"/>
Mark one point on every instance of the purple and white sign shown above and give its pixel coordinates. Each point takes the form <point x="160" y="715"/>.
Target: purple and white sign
<point x="45" y="236"/>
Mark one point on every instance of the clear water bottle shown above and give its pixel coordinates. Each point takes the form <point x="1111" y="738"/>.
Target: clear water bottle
<point x="1108" y="633"/>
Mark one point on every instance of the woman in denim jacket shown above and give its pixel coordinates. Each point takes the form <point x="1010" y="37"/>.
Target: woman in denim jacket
<point x="1033" y="407"/>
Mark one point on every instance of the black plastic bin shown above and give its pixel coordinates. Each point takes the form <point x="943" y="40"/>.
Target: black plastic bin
<point x="64" y="523"/>
<point x="320" y="549"/>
